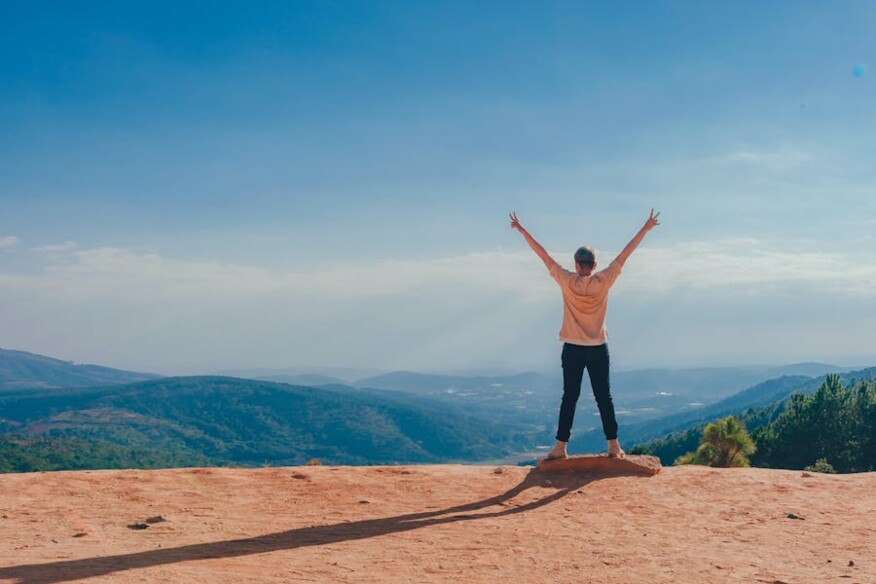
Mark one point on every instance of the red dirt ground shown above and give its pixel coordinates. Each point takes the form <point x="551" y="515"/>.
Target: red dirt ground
<point x="446" y="523"/>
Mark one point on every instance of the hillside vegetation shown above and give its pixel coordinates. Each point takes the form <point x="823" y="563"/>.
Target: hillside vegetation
<point x="836" y="424"/>
<point x="832" y="428"/>
<point x="222" y="420"/>
<point x="46" y="423"/>
<point x="19" y="369"/>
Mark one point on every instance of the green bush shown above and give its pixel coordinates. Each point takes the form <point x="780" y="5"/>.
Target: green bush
<point x="725" y="443"/>
<point x="821" y="465"/>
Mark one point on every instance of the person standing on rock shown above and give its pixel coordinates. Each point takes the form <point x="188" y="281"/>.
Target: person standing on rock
<point x="585" y="340"/>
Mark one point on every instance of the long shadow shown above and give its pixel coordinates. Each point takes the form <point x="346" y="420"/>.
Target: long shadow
<point x="305" y="536"/>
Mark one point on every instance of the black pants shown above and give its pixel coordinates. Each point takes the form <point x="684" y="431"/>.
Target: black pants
<point x="576" y="358"/>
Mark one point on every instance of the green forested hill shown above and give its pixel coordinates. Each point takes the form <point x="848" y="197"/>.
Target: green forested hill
<point x="223" y="420"/>
<point x="673" y="445"/>
<point x="19" y="369"/>
<point x="832" y="418"/>
<point x="761" y="395"/>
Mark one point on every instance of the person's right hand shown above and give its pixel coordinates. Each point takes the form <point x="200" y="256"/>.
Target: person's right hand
<point x="515" y="224"/>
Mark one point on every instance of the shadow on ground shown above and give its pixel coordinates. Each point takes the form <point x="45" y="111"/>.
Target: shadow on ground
<point x="67" y="570"/>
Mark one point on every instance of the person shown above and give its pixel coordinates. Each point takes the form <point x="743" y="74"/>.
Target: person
<point x="585" y="340"/>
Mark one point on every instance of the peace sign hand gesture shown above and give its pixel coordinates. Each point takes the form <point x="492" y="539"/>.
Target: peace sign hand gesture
<point x="515" y="224"/>
<point x="652" y="221"/>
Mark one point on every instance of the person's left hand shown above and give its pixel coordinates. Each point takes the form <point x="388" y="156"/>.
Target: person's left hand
<point x="652" y="221"/>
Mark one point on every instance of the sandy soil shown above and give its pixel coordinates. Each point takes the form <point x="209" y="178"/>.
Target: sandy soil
<point x="436" y="524"/>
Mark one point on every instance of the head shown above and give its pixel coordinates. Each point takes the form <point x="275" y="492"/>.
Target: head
<point x="585" y="260"/>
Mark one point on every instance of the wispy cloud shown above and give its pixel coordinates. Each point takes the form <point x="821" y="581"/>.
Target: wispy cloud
<point x="753" y="266"/>
<point x="779" y="159"/>
<point x="428" y="313"/>
<point x="741" y="264"/>
<point x="8" y="241"/>
<point x="57" y="247"/>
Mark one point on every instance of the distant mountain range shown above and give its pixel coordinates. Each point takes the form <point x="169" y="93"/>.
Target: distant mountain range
<point x="19" y="369"/>
<point x="637" y="383"/>
<point x="55" y="414"/>
<point x="529" y="401"/>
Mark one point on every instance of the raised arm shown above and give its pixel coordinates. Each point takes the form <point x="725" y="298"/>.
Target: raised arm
<point x="650" y="224"/>
<point x="536" y="246"/>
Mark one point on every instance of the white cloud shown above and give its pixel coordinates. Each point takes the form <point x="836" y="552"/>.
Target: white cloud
<point x="778" y="159"/>
<point x="124" y="307"/>
<point x="753" y="266"/>
<point x="57" y="247"/>
<point x="742" y="263"/>
<point x="8" y="241"/>
<point x="105" y="272"/>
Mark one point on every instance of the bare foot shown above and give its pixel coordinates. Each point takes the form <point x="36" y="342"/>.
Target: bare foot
<point x="558" y="452"/>
<point x="614" y="450"/>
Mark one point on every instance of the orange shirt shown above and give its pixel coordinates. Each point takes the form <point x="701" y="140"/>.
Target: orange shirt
<point x="585" y="301"/>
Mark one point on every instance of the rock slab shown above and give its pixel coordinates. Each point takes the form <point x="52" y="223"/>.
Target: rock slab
<point x="630" y="464"/>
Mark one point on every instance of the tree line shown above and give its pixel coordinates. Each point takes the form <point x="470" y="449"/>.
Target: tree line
<point x="831" y="430"/>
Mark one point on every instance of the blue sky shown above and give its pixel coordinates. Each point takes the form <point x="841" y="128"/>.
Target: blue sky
<point x="191" y="187"/>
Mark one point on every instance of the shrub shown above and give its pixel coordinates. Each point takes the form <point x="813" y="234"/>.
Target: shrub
<point x="821" y="465"/>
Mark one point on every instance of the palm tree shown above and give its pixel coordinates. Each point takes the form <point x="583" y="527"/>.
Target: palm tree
<point x="725" y="443"/>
